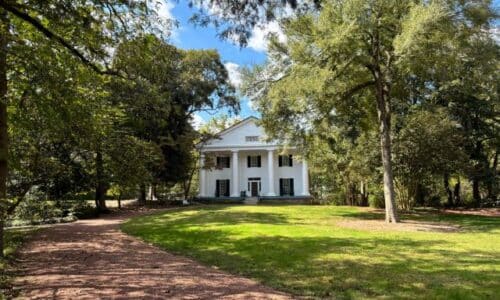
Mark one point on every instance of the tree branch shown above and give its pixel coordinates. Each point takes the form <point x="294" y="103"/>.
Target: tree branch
<point x="53" y="36"/>
<point x="357" y="88"/>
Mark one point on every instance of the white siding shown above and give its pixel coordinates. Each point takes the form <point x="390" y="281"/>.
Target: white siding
<point x="234" y="139"/>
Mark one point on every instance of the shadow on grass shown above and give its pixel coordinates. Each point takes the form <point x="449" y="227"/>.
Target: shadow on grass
<point x="345" y="266"/>
<point x="467" y="223"/>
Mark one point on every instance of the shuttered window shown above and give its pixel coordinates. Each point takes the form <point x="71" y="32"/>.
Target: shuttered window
<point x="223" y="162"/>
<point x="286" y="187"/>
<point x="285" y="161"/>
<point x="222" y="188"/>
<point x="253" y="161"/>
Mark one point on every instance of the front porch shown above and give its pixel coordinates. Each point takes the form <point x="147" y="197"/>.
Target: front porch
<point x="263" y="172"/>
<point x="259" y="200"/>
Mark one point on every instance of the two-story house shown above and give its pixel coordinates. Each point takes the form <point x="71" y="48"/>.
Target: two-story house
<point x="242" y="165"/>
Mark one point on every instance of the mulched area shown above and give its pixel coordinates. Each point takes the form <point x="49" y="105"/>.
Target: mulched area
<point x="486" y="212"/>
<point x="405" y="225"/>
<point x="414" y="225"/>
<point x="93" y="259"/>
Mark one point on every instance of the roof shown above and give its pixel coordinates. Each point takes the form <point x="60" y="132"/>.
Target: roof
<point x="236" y="125"/>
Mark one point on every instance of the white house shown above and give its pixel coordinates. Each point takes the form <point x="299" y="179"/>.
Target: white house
<point x="240" y="164"/>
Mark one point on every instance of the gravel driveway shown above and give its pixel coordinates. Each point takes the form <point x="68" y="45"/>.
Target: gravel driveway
<point x="93" y="259"/>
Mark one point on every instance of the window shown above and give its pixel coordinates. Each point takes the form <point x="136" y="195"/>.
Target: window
<point x="253" y="161"/>
<point x="252" y="138"/>
<point x="285" y="161"/>
<point x="222" y="188"/>
<point x="223" y="162"/>
<point x="286" y="187"/>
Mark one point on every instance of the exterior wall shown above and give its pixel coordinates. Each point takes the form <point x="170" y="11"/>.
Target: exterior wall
<point x="236" y="137"/>
<point x="294" y="172"/>
<point x="234" y="140"/>
<point x="244" y="173"/>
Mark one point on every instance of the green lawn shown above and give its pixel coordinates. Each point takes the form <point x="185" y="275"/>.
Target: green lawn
<point x="301" y="250"/>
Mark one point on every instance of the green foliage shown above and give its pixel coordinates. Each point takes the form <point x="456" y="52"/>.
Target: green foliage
<point x="166" y="86"/>
<point x="305" y="250"/>
<point x="427" y="145"/>
<point x="357" y="64"/>
<point x="36" y="211"/>
<point x="83" y="210"/>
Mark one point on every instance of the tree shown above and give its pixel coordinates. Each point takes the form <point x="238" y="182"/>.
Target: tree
<point x="235" y="20"/>
<point x="429" y="144"/>
<point x="464" y="80"/>
<point x="353" y="51"/>
<point x="166" y="86"/>
<point x="86" y="29"/>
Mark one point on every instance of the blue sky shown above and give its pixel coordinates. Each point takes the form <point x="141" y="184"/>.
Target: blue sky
<point x="189" y="36"/>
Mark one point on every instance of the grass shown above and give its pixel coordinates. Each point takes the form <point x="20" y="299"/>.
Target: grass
<point x="301" y="250"/>
<point x="13" y="239"/>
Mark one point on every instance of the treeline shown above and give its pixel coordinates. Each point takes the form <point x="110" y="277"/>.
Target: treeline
<point x="92" y="132"/>
<point x="94" y="99"/>
<point x="395" y="103"/>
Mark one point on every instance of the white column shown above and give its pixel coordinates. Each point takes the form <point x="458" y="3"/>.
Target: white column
<point x="202" y="176"/>
<point x="235" y="180"/>
<point x="270" y="170"/>
<point x="305" y="178"/>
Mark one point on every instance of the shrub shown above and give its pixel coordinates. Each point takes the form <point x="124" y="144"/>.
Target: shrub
<point x="376" y="199"/>
<point x="83" y="210"/>
<point x="37" y="211"/>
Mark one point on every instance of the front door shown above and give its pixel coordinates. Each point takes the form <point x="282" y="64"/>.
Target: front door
<point x="254" y="188"/>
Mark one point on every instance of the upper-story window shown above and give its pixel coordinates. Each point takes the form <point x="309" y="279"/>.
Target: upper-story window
<point x="223" y="162"/>
<point x="253" y="161"/>
<point x="252" y="138"/>
<point x="285" y="161"/>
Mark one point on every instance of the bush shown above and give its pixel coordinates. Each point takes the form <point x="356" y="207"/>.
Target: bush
<point x="37" y="211"/>
<point x="376" y="199"/>
<point x="83" y="210"/>
<point x="33" y="211"/>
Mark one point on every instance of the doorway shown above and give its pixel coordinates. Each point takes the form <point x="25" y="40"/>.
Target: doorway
<point x="254" y="186"/>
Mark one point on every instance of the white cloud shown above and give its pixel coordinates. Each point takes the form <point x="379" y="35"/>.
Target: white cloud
<point x="163" y="9"/>
<point x="197" y="121"/>
<point x="234" y="73"/>
<point x="260" y="36"/>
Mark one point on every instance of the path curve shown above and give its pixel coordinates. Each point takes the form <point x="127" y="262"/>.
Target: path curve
<point x="93" y="259"/>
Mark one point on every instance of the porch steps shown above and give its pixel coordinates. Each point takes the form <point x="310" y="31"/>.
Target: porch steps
<point x="251" y="200"/>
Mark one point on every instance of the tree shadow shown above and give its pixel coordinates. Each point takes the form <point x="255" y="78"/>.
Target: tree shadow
<point x="467" y="223"/>
<point x="346" y="265"/>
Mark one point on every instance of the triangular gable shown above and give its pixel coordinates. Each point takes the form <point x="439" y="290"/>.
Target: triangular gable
<point x="239" y="135"/>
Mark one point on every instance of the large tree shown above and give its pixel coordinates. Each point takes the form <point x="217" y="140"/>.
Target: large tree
<point x="87" y="30"/>
<point x="354" y="51"/>
<point x="166" y="86"/>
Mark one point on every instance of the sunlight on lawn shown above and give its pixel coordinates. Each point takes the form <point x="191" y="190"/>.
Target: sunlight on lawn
<point x="300" y="249"/>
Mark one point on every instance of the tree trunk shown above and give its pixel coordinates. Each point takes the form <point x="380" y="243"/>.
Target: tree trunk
<point x="446" y="181"/>
<point x="4" y="138"/>
<point x="142" y="195"/>
<point x="382" y="96"/>
<point x="120" y="201"/>
<point x="420" y="195"/>
<point x="479" y="169"/>
<point x="476" y="195"/>
<point x="456" y="193"/>
<point x="101" y="188"/>
<point x="492" y="186"/>
<point x="391" y="214"/>
<point x="364" y="194"/>
<point x="154" y="196"/>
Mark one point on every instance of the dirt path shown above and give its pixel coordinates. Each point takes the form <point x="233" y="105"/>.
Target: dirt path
<point x="93" y="259"/>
